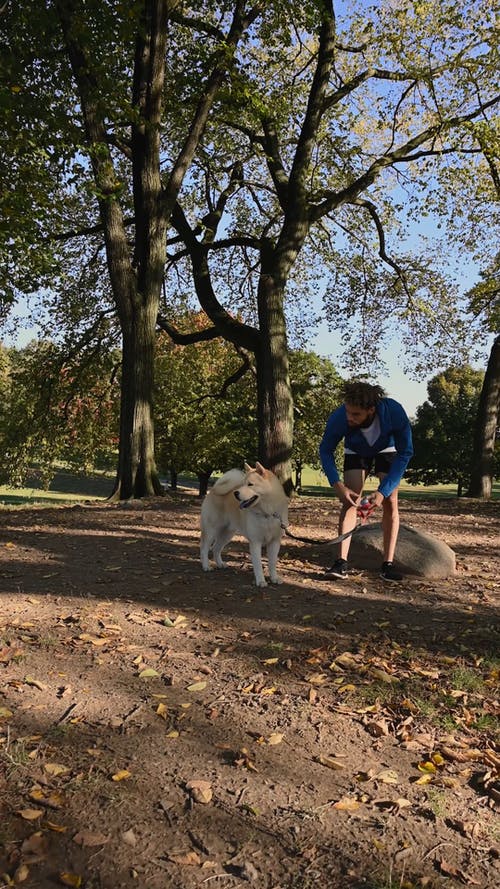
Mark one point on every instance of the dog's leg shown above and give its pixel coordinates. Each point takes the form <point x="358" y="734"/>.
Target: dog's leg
<point x="224" y="535"/>
<point x="273" y="549"/>
<point x="256" y="556"/>
<point x="205" y="545"/>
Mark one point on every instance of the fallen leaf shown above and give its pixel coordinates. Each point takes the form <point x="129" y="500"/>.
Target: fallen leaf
<point x="197" y="686"/>
<point x="5" y="713"/>
<point x="330" y="762"/>
<point x="68" y="879"/>
<point x="189" y="858"/>
<point x="30" y="814"/>
<point x="388" y="776"/>
<point x="55" y="768"/>
<point x="29" y="680"/>
<point x="275" y="738"/>
<point x="21" y="874"/>
<point x="148" y="673"/>
<point x="90" y="838"/>
<point x="121" y="775"/>
<point x="201" y="791"/>
<point x="347" y="804"/>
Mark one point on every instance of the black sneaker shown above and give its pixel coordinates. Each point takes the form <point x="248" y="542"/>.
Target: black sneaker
<point x="387" y="572"/>
<point x="340" y="568"/>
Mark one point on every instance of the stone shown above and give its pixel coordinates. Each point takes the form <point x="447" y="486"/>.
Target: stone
<point x="417" y="552"/>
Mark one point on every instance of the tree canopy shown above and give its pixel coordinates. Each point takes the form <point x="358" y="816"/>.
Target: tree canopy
<point x="265" y="153"/>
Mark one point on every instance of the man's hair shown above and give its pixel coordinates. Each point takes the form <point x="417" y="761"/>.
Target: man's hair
<point x="362" y="394"/>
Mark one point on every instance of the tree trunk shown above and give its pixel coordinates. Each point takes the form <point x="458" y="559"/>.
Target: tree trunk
<point x="298" y="477"/>
<point x="137" y="475"/>
<point x="274" y="394"/>
<point x="460" y="486"/>
<point x="485" y="428"/>
<point x="173" y="478"/>
<point x="203" y="479"/>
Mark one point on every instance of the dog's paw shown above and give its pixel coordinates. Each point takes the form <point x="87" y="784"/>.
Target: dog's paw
<point x="207" y="568"/>
<point x="277" y="580"/>
<point x="261" y="583"/>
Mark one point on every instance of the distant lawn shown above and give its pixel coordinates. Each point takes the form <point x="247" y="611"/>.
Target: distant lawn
<point x="314" y="483"/>
<point x="68" y="487"/>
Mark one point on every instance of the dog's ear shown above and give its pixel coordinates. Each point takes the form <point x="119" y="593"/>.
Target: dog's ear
<point x="248" y="468"/>
<point x="260" y="469"/>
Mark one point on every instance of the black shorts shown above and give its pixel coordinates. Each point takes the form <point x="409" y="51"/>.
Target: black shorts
<point x="371" y="465"/>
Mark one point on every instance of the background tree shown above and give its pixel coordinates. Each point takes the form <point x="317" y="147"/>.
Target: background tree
<point x="205" y="414"/>
<point x="57" y="411"/>
<point x="117" y="79"/>
<point x="316" y="392"/>
<point x="485" y="302"/>
<point x="330" y="131"/>
<point x="443" y="429"/>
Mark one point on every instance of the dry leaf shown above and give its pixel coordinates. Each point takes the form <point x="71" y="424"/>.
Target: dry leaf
<point x="129" y="837"/>
<point x="21" y="874"/>
<point x="90" y="838"/>
<point x="387" y="776"/>
<point x="30" y="814"/>
<point x="68" y="879"/>
<point x="29" y="680"/>
<point x="189" y="858"/>
<point x="275" y="738"/>
<point x="55" y="768"/>
<point x="162" y="710"/>
<point x="5" y="713"/>
<point x="197" y="686"/>
<point x="330" y="762"/>
<point x="347" y="804"/>
<point x="148" y="673"/>
<point x="121" y="775"/>
<point x="201" y="791"/>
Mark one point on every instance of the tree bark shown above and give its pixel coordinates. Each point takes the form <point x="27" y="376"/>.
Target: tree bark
<point x="481" y="477"/>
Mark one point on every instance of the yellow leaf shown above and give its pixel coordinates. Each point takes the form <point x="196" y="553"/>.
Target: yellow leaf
<point x="197" y="686"/>
<point x="162" y="710"/>
<point x="275" y="738"/>
<point x="425" y="779"/>
<point x="387" y="776"/>
<point x="271" y="660"/>
<point x="344" y="689"/>
<point x="190" y="858"/>
<point x="148" y="673"/>
<point x="30" y="814"/>
<point x="57" y="828"/>
<point x="70" y="880"/>
<point x="173" y="734"/>
<point x="346" y="804"/>
<point x="437" y="759"/>
<point x="382" y="675"/>
<point x="330" y="762"/>
<point x="5" y="713"/>
<point x="121" y="775"/>
<point x="55" y="768"/>
<point x="427" y="767"/>
<point x="35" y="682"/>
<point x="317" y="678"/>
<point x="269" y="691"/>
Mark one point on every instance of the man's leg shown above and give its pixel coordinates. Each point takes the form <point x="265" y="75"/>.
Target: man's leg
<point x="390" y="522"/>
<point x="354" y="479"/>
<point x="390" y="528"/>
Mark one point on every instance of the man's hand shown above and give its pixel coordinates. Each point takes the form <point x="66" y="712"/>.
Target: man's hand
<point x="376" y="499"/>
<point x="346" y="496"/>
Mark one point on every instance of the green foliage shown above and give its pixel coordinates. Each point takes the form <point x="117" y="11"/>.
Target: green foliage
<point x="199" y="427"/>
<point x="443" y="428"/>
<point x="316" y="392"/>
<point x="57" y="410"/>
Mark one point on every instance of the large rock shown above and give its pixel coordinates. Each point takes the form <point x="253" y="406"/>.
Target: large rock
<point x="416" y="552"/>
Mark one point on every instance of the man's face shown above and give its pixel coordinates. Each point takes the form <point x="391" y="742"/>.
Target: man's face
<point x="359" y="416"/>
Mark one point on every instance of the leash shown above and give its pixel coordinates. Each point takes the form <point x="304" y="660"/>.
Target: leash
<point x="363" y="511"/>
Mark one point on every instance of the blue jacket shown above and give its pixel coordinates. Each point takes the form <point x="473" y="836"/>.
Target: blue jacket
<point x="395" y="431"/>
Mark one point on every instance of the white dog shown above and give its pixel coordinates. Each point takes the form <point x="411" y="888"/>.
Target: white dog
<point x="252" y="503"/>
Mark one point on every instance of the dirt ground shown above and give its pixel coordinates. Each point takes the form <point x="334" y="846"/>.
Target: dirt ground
<point x="161" y="727"/>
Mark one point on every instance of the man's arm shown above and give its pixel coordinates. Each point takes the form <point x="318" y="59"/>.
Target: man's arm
<point x="404" y="451"/>
<point x="333" y="434"/>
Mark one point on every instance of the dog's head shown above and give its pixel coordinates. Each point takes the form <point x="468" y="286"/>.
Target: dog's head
<point x="255" y="486"/>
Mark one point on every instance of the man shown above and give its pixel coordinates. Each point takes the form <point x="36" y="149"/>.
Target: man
<point x="377" y="437"/>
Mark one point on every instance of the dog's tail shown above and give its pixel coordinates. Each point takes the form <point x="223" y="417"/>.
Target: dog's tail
<point x="231" y="480"/>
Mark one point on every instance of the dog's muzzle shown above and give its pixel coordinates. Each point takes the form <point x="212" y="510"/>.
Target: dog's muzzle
<point x="244" y="504"/>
